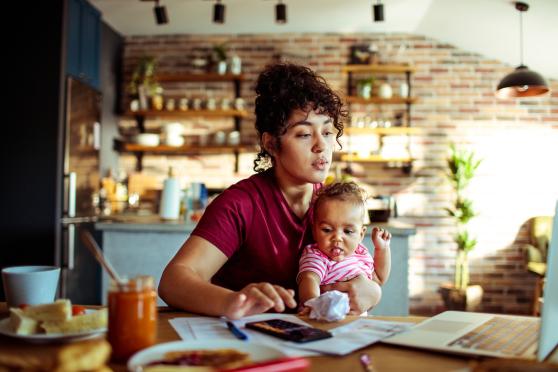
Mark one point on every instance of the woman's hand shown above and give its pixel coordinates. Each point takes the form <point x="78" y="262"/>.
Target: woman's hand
<point x="363" y="293"/>
<point x="257" y="298"/>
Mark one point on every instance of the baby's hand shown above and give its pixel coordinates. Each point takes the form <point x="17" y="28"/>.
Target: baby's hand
<point x="381" y="238"/>
<point x="304" y="310"/>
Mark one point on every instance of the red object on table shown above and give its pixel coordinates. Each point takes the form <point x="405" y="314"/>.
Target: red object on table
<point x="275" y="365"/>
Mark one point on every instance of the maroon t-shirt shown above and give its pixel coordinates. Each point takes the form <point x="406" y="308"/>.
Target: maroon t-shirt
<point x="253" y="225"/>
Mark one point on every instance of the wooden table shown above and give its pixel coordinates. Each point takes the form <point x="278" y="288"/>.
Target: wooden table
<point x="384" y="357"/>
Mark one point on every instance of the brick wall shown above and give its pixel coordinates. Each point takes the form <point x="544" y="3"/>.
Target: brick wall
<point x="518" y="140"/>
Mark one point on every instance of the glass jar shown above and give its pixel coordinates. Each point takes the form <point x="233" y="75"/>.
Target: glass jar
<point x="132" y="307"/>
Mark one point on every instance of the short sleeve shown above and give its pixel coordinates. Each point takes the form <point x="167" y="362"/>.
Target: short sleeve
<point x="224" y="221"/>
<point x="312" y="260"/>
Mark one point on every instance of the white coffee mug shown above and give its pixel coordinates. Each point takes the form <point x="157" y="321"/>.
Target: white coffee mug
<point x="30" y="285"/>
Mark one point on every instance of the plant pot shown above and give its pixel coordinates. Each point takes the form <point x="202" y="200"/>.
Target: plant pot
<point x="460" y="299"/>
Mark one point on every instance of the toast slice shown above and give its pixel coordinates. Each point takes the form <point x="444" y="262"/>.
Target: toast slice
<point x="78" y="323"/>
<point x="57" y="311"/>
<point x="21" y="324"/>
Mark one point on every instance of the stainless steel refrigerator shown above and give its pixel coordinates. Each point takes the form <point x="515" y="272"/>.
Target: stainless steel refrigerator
<point x="81" y="277"/>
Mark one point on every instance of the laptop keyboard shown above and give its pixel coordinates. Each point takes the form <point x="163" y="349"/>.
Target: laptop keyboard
<point x="501" y="334"/>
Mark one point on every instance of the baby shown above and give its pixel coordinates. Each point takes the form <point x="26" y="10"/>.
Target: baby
<point x="338" y="254"/>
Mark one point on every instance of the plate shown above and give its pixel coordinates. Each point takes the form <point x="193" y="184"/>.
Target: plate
<point x="5" y="329"/>
<point x="257" y="352"/>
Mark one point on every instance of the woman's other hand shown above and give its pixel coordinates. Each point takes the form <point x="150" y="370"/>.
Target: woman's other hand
<point x="257" y="298"/>
<point x="363" y="293"/>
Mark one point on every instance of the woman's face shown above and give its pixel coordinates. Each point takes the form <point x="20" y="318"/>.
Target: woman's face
<point x="306" y="148"/>
<point x="338" y="228"/>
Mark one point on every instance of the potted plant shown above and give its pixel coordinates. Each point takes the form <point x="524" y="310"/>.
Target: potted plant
<point x="143" y="83"/>
<point x="364" y="87"/>
<point x="460" y="295"/>
<point x="220" y="56"/>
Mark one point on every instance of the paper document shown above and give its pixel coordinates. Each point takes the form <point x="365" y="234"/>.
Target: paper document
<point x="346" y="338"/>
<point x="204" y="328"/>
<point x="354" y="336"/>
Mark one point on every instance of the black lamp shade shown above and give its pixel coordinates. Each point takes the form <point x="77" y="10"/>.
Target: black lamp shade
<point x="219" y="13"/>
<point x="281" y="13"/>
<point x="161" y="14"/>
<point x="378" y="12"/>
<point x="522" y="83"/>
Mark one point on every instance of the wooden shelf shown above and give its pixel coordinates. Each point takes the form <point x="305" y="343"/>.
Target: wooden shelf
<point x="382" y="131"/>
<point x="373" y="159"/>
<point x="379" y="68"/>
<point x="122" y="146"/>
<point x="379" y="100"/>
<point x="187" y="114"/>
<point x="209" y="77"/>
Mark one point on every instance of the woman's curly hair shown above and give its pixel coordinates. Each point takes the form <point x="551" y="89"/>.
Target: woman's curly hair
<point x="284" y="87"/>
<point x="344" y="191"/>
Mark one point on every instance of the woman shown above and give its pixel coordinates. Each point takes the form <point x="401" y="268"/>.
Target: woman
<point x="242" y="257"/>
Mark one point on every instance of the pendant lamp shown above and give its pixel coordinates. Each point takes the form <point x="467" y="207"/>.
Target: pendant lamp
<point x="522" y="82"/>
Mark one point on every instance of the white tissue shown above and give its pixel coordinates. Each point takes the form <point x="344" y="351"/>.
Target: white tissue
<point x="330" y="306"/>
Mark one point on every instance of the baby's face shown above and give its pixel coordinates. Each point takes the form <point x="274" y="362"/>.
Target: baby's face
<point x="338" y="228"/>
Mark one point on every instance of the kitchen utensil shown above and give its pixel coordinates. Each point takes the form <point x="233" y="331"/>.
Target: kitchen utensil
<point x="91" y="244"/>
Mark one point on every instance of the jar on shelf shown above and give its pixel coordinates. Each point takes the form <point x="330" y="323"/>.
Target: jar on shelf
<point x="385" y="91"/>
<point x="170" y="105"/>
<point x="404" y="90"/>
<point x="183" y="104"/>
<point x="157" y="102"/>
<point x="132" y="307"/>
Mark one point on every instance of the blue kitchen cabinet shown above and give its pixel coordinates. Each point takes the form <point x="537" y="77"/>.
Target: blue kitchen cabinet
<point x="83" y="42"/>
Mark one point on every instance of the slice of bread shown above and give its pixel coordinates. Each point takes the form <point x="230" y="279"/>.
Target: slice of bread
<point x="79" y="323"/>
<point x="57" y="311"/>
<point x="21" y="324"/>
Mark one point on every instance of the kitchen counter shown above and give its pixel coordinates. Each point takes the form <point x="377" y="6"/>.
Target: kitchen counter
<point x="156" y="224"/>
<point x="143" y="223"/>
<point x="145" y="244"/>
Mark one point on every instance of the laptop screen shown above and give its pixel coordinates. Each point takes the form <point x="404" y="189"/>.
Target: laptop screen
<point x="549" y="316"/>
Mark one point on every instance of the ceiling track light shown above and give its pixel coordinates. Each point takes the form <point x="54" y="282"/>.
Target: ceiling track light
<point x="522" y="82"/>
<point x="378" y="12"/>
<point x="219" y="12"/>
<point x="160" y="13"/>
<point x="281" y="13"/>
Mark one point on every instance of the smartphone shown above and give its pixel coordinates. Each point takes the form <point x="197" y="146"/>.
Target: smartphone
<point x="289" y="331"/>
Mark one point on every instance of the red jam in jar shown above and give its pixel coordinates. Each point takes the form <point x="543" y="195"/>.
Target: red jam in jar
<point x="132" y="307"/>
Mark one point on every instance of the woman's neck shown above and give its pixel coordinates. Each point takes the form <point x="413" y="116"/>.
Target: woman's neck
<point x="298" y="195"/>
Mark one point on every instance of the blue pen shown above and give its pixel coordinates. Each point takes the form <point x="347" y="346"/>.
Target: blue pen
<point x="236" y="332"/>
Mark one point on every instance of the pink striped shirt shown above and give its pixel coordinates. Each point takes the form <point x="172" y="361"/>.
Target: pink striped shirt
<point x="329" y="271"/>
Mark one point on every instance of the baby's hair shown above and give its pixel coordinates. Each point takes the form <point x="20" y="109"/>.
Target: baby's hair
<point x="344" y="191"/>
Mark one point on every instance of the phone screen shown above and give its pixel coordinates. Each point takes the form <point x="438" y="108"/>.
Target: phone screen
<point x="288" y="330"/>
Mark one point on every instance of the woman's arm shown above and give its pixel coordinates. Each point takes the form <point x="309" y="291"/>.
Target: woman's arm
<point x="185" y="284"/>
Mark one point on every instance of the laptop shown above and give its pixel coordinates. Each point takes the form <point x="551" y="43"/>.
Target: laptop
<point x="495" y="335"/>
